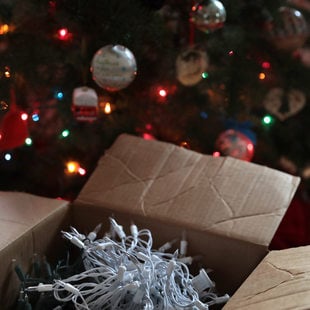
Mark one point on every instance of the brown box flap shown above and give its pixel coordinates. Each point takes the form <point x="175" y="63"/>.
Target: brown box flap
<point x="22" y="211"/>
<point x="28" y="224"/>
<point x="223" y="196"/>
<point x="280" y="281"/>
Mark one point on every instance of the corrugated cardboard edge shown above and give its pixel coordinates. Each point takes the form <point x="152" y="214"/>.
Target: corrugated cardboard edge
<point x="42" y="238"/>
<point x="280" y="281"/>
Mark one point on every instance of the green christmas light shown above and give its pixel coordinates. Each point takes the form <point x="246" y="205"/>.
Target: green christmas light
<point x="267" y="120"/>
<point x="65" y="133"/>
<point x="205" y="75"/>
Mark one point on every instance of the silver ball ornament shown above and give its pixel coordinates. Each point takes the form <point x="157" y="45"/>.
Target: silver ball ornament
<point x="113" y="67"/>
<point x="208" y="15"/>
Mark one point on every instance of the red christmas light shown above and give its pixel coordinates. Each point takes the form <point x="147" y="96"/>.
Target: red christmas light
<point x="162" y="92"/>
<point x="266" y="65"/>
<point x="63" y="34"/>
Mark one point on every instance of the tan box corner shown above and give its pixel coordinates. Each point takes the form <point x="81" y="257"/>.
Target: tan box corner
<point x="280" y="281"/>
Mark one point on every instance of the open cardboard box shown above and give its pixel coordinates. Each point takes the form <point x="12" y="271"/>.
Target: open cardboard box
<point x="229" y="209"/>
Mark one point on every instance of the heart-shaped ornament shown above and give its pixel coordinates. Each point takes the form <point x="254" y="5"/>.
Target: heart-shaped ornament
<point x="284" y="104"/>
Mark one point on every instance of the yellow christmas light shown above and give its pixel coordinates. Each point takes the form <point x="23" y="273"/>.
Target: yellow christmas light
<point x="72" y="167"/>
<point x="7" y="73"/>
<point x="107" y="109"/>
<point x="4" y="29"/>
<point x="262" y="76"/>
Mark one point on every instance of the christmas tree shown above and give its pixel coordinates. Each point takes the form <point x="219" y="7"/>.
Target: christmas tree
<point x="221" y="78"/>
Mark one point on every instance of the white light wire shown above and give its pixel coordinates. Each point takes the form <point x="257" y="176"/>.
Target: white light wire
<point x="126" y="273"/>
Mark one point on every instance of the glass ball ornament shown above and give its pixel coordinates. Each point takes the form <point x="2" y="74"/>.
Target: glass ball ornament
<point x="235" y="144"/>
<point x="288" y="31"/>
<point x="208" y="15"/>
<point x="113" y="67"/>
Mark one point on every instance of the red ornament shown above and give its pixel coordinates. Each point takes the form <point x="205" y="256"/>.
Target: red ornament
<point x="13" y="128"/>
<point x="235" y="144"/>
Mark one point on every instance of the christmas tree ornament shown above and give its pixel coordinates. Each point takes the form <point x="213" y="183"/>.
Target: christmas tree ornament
<point x="235" y="144"/>
<point x="113" y="67"/>
<point x="85" y="104"/>
<point x="190" y="65"/>
<point x="288" y="31"/>
<point x="303" y="55"/>
<point x="284" y="104"/>
<point x="208" y="15"/>
<point x="302" y="4"/>
<point x="13" y="128"/>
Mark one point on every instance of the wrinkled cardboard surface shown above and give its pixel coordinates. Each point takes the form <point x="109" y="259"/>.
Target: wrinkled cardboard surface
<point x="280" y="281"/>
<point x="225" y="196"/>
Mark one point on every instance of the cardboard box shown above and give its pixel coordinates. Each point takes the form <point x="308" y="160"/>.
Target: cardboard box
<point x="230" y="209"/>
<point x="280" y="281"/>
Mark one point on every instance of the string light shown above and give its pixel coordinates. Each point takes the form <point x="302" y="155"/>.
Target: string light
<point x="162" y="93"/>
<point x="107" y="109"/>
<point x="262" y="76"/>
<point x="65" y="133"/>
<point x="81" y="171"/>
<point x="4" y="29"/>
<point x="267" y="120"/>
<point x="28" y="141"/>
<point x="24" y="116"/>
<point x="250" y="147"/>
<point x="72" y="167"/>
<point x="205" y="75"/>
<point x="7" y="73"/>
<point x="7" y="156"/>
<point x="266" y="65"/>
<point x="216" y="154"/>
<point x="148" y="136"/>
<point x="185" y="144"/>
<point x="59" y="95"/>
<point x="203" y="114"/>
<point x="35" y="117"/>
<point x="63" y="34"/>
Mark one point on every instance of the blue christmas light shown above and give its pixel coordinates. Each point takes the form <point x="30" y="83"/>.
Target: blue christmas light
<point x="203" y="114"/>
<point x="59" y="95"/>
<point x="35" y="117"/>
